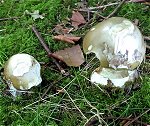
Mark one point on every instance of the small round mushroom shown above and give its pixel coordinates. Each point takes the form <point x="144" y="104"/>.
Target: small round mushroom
<point x="120" y="47"/>
<point x="22" y="72"/>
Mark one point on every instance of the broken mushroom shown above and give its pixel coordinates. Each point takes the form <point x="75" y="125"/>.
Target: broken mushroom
<point x="22" y="72"/>
<point x="120" y="47"/>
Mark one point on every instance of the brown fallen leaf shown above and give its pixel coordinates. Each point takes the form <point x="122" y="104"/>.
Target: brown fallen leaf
<point x="59" y="29"/>
<point x="65" y="38"/>
<point x="77" y="19"/>
<point x="71" y="56"/>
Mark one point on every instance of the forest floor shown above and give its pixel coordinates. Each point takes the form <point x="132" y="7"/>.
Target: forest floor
<point x="69" y="99"/>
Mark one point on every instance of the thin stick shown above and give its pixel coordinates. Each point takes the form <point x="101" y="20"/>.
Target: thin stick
<point x="147" y="46"/>
<point x="84" y="10"/>
<point x="147" y="38"/>
<point x="93" y="119"/>
<point x="148" y="57"/>
<point x="47" y="49"/>
<point x="11" y="18"/>
<point x="116" y="9"/>
<point x="89" y="11"/>
<point x="103" y="6"/>
<point x="135" y="119"/>
<point x="137" y="1"/>
<point x="49" y="87"/>
<point x="127" y="119"/>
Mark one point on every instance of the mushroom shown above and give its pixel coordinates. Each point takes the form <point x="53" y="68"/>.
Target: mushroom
<point x="22" y="72"/>
<point x="120" y="47"/>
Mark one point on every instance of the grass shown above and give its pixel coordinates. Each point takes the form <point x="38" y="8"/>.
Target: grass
<point x="81" y="100"/>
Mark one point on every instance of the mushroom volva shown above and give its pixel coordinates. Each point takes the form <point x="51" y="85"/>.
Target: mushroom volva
<point x="120" y="47"/>
<point x="21" y="72"/>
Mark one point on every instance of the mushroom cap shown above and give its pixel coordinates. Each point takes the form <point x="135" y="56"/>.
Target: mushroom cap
<point x="22" y="72"/>
<point x="117" y="43"/>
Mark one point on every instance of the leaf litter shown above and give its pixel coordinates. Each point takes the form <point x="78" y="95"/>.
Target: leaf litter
<point x="67" y="38"/>
<point x="71" y="56"/>
<point x="77" y="19"/>
<point x="59" y="29"/>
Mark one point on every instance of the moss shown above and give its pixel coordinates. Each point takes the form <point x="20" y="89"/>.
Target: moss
<point x="16" y="36"/>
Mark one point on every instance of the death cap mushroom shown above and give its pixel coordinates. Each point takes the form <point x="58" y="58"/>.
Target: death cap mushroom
<point x="120" y="48"/>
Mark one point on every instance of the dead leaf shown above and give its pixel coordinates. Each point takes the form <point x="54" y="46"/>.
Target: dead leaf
<point x="65" y="38"/>
<point x="77" y="19"/>
<point x="71" y="56"/>
<point x="35" y="15"/>
<point x="59" y="29"/>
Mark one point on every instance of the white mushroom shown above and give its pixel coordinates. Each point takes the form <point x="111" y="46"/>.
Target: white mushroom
<point x="22" y="72"/>
<point x="120" y="47"/>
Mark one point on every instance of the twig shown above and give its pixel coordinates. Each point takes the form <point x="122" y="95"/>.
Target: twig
<point x="116" y="9"/>
<point x="147" y="38"/>
<point x="94" y="119"/>
<point x="127" y="119"/>
<point x="148" y="57"/>
<point x="47" y="49"/>
<point x="147" y="46"/>
<point x="135" y="119"/>
<point x="137" y="1"/>
<point x="84" y="10"/>
<point x="49" y="87"/>
<point x="90" y="10"/>
<point x="87" y="23"/>
<point x="91" y="21"/>
<point x="103" y="6"/>
<point x="11" y="18"/>
<point x="100" y="16"/>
